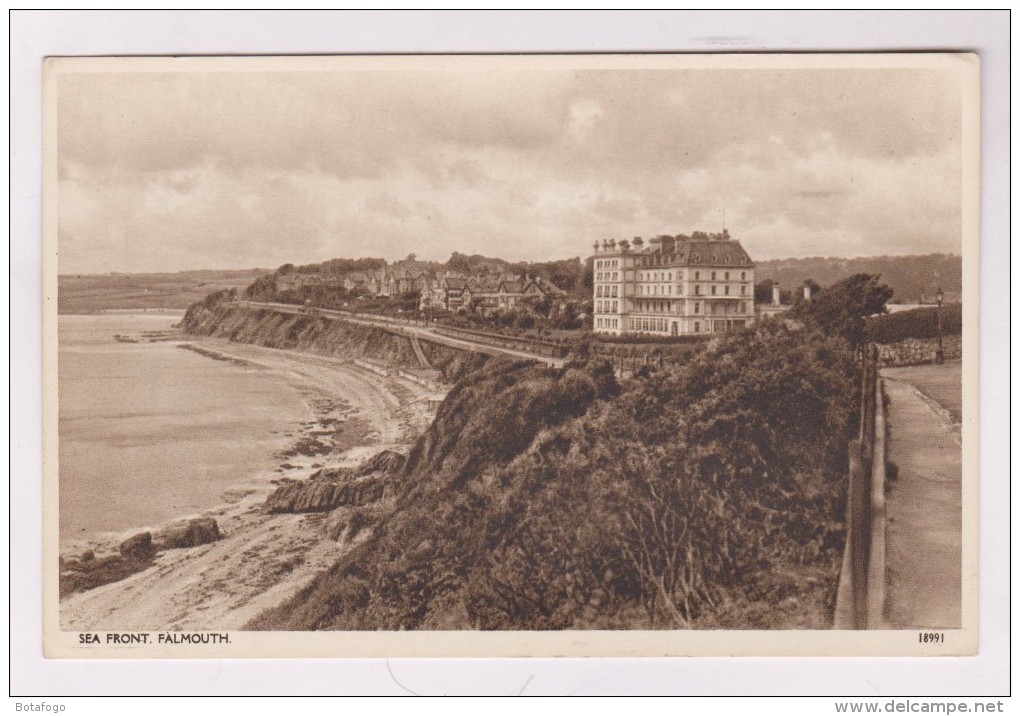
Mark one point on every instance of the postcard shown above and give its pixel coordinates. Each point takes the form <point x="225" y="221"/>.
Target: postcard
<point x="511" y="355"/>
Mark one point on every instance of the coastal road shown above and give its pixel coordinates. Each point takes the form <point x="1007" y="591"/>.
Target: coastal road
<point x="924" y="499"/>
<point x="423" y="332"/>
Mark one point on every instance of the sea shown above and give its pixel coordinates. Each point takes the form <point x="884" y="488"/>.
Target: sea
<point x="150" y="432"/>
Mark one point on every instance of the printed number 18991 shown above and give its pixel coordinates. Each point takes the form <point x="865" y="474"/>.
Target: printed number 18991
<point x="931" y="637"/>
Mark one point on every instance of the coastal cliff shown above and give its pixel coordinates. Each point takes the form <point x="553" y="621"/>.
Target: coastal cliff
<point x="322" y="336"/>
<point x="704" y="496"/>
<point x="708" y="494"/>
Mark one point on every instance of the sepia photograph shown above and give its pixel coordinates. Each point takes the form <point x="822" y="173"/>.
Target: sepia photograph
<point x="511" y="355"/>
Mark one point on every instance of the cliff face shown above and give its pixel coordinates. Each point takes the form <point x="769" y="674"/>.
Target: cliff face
<point x="316" y="334"/>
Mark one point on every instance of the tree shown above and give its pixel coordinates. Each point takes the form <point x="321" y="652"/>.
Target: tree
<point x="841" y="308"/>
<point x="263" y="289"/>
<point x="763" y="291"/>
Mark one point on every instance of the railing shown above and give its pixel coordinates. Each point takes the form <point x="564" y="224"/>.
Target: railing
<point x="526" y="345"/>
<point x="860" y="596"/>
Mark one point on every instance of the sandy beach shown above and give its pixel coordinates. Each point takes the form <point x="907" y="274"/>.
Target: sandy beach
<point x="261" y="559"/>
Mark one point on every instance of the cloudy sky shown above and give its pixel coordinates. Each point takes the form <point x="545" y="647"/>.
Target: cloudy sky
<point x="177" y="170"/>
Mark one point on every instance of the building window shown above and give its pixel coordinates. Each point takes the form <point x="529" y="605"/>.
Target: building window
<point x="697" y="326"/>
<point x="713" y="275"/>
<point x="743" y="290"/>
<point x="713" y="289"/>
<point x="743" y="275"/>
<point x="726" y="275"/>
<point x="697" y="289"/>
<point x="726" y="289"/>
<point x="697" y="307"/>
<point x="697" y="275"/>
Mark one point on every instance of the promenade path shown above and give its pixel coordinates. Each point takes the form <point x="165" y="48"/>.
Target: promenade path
<point x="412" y="329"/>
<point x="924" y="500"/>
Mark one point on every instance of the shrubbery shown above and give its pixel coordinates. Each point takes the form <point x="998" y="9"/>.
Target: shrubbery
<point x="544" y="499"/>
<point x="916" y="323"/>
<point x="842" y="308"/>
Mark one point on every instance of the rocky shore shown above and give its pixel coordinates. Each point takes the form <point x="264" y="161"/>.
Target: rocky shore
<point x="275" y="530"/>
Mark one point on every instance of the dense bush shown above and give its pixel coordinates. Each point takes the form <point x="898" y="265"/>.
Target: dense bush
<point x="692" y="490"/>
<point x="544" y="499"/>
<point x="208" y="304"/>
<point x="917" y="323"/>
<point x="842" y="308"/>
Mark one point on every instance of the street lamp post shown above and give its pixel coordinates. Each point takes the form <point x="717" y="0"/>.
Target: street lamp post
<point x="940" y="354"/>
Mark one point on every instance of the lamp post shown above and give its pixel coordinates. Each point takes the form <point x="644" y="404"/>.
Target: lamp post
<point x="940" y="354"/>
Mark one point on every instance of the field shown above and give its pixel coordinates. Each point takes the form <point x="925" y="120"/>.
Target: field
<point x="92" y="293"/>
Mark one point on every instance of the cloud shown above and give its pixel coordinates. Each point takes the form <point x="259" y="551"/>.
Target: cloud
<point x="183" y="170"/>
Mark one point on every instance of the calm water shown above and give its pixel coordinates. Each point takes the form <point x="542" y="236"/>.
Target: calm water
<point x="150" y="432"/>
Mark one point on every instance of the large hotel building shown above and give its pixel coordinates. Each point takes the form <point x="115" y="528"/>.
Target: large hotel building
<point x="676" y="285"/>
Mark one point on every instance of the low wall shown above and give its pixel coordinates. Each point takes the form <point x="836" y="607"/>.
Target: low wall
<point x="424" y="382"/>
<point x="860" y="595"/>
<point x="917" y="351"/>
<point x="378" y="369"/>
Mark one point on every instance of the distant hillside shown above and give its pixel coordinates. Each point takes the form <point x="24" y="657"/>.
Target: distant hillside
<point x="91" y="293"/>
<point x="910" y="277"/>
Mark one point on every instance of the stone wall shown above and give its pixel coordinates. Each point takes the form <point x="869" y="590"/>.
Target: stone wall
<point x="916" y="351"/>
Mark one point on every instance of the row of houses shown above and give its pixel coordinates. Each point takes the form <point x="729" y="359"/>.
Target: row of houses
<point x="389" y="281"/>
<point x="450" y="291"/>
<point x="487" y="294"/>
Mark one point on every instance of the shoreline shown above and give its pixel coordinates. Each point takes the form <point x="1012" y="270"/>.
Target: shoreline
<point x="260" y="559"/>
<point x="218" y="497"/>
